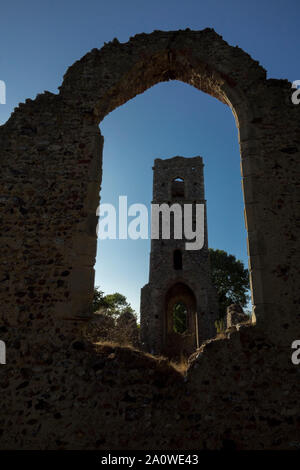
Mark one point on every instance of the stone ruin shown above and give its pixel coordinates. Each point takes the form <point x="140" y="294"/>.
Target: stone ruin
<point x="235" y="315"/>
<point x="63" y="392"/>
<point x="178" y="275"/>
<point x="51" y="167"/>
<point x="105" y="328"/>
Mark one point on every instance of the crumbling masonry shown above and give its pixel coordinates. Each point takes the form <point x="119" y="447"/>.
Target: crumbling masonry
<point x="61" y="392"/>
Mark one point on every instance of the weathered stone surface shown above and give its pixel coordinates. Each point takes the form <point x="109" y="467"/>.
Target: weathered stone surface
<point x="242" y="391"/>
<point x="127" y="330"/>
<point x="57" y="391"/>
<point x="100" y="328"/>
<point x="235" y="314"/>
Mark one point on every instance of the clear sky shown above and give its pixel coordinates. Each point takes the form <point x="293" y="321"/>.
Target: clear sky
<point x="40" y="39"/>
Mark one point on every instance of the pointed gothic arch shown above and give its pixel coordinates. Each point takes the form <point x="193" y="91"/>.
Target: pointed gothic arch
<point x="51" y="153"/>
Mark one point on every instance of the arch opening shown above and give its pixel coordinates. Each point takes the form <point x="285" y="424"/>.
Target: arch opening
<point x="179" y="335"/>
<point x="180" y="313"/>
<point x="177" y="188"/>
<point x="177" y="256"/>
<point x="193" y="57"/>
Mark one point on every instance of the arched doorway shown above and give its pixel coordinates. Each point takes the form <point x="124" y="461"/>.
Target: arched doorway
<point x="180" y="330"/>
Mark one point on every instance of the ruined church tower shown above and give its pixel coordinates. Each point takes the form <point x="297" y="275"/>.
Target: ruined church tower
<point x="178" y="305"/>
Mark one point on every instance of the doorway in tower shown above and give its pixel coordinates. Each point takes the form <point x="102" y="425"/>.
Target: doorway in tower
<point x="180" y="321"/>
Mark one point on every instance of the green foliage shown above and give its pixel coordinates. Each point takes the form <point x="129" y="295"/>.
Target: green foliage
<point x="98" y="300"/>
<point x="113" y="304"/>
<point x="230" y="279"/>
<point x="179" y="317"/>
<point x="220" y="325"/>
<point x="117" y="304"/>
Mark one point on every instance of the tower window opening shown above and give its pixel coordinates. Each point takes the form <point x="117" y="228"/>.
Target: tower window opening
<point x="180" y="318"/>
<point x="178" y="188"/>
<point x="177" y="259"/>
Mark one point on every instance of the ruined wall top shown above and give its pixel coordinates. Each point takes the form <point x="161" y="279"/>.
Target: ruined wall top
<point x="106" y="78"/>
<point x="178" y="162"/>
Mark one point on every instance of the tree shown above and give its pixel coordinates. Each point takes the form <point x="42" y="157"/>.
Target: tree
<point x="117" y="304"/>
<point x="98" y="300"/>
<point x="230" y="279"/>
<point x="113" y="304"/>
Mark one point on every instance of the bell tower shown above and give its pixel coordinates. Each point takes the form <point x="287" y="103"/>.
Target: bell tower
<point x="178" y="305"/>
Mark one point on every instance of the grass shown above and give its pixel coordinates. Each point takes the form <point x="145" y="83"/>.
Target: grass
<point x="180" y="365"/>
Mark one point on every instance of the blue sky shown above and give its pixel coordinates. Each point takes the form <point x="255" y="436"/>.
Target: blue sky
<point x="40" y="39"/>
